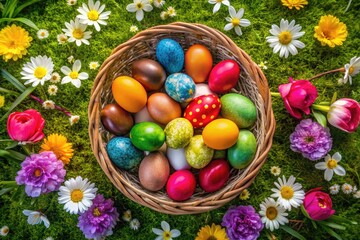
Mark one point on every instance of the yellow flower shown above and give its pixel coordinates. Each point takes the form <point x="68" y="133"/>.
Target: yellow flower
<point x="59" y="145"/>
<point x="294" y="3"/>
<point x="215" y="232"/>
<point x="330" y="31"/>
<point x="2" y="101"/>
<point x="244" y="195"/>
<point x="14" y="41"/>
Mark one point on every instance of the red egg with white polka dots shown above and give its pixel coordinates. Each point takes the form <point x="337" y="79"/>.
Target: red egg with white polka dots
<point x="202" y="110"/>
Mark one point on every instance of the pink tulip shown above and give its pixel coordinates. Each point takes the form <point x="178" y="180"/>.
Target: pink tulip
<point x="26" y="127"/>
<point x="318" y="205"/>
<point x="344" y="114"/>
<point x="298" y="96"/>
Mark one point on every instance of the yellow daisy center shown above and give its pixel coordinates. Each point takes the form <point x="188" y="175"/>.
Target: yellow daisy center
<point x="271" y="213"/>
<point x="285" y="37"/>
<point x="78" y="33"/>
<point x="219" y="1"/>
<point x="93" y="15"/>
<point x="235" y="21"/>
<point x="74" y="75"/>
<point x="331" y="164"/>
<point x="351" y="70"/>
<point x="287" y="192"/>
<point x="37" y="173"/>
<point x="5" y="230"/>
<point x="139" y="6"/>
<point x="42" y="34"/>
<point x="40" y="72"/>
<point x="76" y="195"/>
<point x="166" y="235"/>
<point x="96" y="212"/>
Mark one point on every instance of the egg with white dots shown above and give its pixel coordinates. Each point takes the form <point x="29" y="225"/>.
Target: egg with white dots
<point x="180" y="87"/>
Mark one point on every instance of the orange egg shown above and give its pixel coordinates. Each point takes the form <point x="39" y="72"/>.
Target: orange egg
<point x="220" y="134"/>
<point x="198" y="63"/>
<point x="129" y="93"/>
<point x="163" y="108"/>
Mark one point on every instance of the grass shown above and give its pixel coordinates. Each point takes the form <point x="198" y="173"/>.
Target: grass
<point x="313" y="59"/>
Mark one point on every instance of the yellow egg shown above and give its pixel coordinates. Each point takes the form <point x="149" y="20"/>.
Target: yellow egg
<point x="220" y="134"/>
<point x="129" y="93"/>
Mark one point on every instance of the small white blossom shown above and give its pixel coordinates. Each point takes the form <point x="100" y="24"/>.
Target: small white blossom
<point x="171" y="11"/>
<point x="48" y="104"/>
<point x="134" y="224"/>
<point x="334" y="189"/>
<point x="52" y="90"/>
<point x="62" y="38"/>
<point x="42" y="33"/>
<point x="74" y="119"/>
<point x="93" y="65"/>
<point x="275" y="170"/>
<point x="346" y="188"/>
<point x="4" y="231"/>
<point x="71" y="2"/>
<point x="134" y="28"/>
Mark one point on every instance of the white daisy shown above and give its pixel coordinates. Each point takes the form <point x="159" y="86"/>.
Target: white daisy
<point x="171" y="11"/>
<point x="77" y="195"/>
<point x="35" y="217"/>
<point x="71" y="59"/>
<point x="4" y="231"/>
<point x="134" y="28"/>
<point x="218" y="4"/>
<point x="134" y="224"/>
<point x="127" y="216"/>
<point x="92" y="14"/>
<point x="71" y="2"/>
<point x="52" y="90"/>
<point x="351" y="69"/>
<point x="93" y="65"/>
<point x="163" y="15"/>
<point x="235" y="20"/>
<point x="357" y="194"/>
<point x="55" y="77"/>
<point x="275" y="170"/>
<point x="38" y="70"/>
<point x="166" y="233"/>
<point x="289" y="193"/>
<point x="73" y="75"/>
<point x="263" y="66"/>
<point x="42" y="33"/>
<point x="273" y="215"/>
<point x="159" y="3"/>
<point x="62" y="38"/>
<point x="139" y="6"/>
<point x="285" y="37"/>
<point x="330" y="166"/>
<point x="48" y="104"/>
<point x="334" y="189"/>
<point x="76" y="32"/>
<point x="74" y="119"/>
<point x="346" y="188"/>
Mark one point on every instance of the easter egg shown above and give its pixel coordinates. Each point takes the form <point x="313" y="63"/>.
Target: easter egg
<point x="214" y="175"/>
<point x="198" y="155"/>
<point x="129" y="94"/>
<point x="242" y="153"/>
<point x="239" y="109"/>
<point x="177" y="158"/>
<point x="202" y="110"/>
<point x="123" y="153"/>
<point x="147" y="136"/>
<point x="220" y="134"/>
<point x="116" y="120"/>
<point x="170" y="55"/>
<point x="181" y="185"/>
<point x="224" y="76"/>
<point x="149" y="73"/>
<point x="180" y="87"/>
<point x="163" y="108"/>
<point x="178" y="133"/>
<point x="154" y="171"/>
<point x="143" y="116"/>
<point x="198" y="63"/>
<point x="202" y="89"/>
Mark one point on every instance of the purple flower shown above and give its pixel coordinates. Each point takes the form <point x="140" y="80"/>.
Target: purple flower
<point x="99" y="220"/>
<point x="41" y="173"/>
<point x="311" y="139"/>
<point x="242" y="222"/>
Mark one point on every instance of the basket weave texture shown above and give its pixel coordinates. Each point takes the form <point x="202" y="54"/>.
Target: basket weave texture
<point x="252" y="84"/>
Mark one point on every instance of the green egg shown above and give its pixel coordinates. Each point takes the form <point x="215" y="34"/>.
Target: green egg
<point x="242" y="153"/>
<point x="198" y="155"/>
<point x="178" y="133"/>
<point x="147" y="136"/>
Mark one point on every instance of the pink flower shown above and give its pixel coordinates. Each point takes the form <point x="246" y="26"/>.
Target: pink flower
<point x="318" y="205"/>
<point x="298" y="96"/>
<point x="344" y="114"/>
<point x="26" y="127"/>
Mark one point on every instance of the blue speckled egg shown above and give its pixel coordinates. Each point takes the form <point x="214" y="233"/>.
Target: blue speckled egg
<point x="170" y="55"/>
<point x="180" y="87"/>
<point x="123" y="153"/>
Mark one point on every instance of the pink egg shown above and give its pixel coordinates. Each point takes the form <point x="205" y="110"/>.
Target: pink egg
<point x="181" y="185"/>
<point x="143" y="116"/>
<point x="214" y="175"/>
<point x="224" y="76"/>
<point x="202" y="89"/>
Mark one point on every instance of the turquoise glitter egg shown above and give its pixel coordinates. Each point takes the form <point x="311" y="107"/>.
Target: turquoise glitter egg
<point x="170" y="55"/>
<point x="180" y="87"/>
<point x="123" y="153"/>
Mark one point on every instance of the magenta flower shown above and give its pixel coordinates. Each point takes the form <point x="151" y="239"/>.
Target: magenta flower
<point x="26" y="127"/>
<point x="41" y="173"/>
<point x="344" y="114"/>
<point x="318" y="205"/>
<point x="242" y="222"/>
<point x="99" y="220"/>
<point x="311" y="139"/>
<point x="298" y="96"/>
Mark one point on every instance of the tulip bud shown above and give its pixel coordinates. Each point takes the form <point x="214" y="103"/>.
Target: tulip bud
<point x="344" y="114"/>
<point x="318" y="205"/>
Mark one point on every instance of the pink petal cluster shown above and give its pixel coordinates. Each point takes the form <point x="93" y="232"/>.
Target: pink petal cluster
<point x="318" y="205"/>
<point x="344" y="114"/>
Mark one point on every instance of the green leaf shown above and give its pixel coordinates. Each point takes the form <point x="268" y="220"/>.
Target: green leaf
<point x="292" y="232"/>
<point x="332" y="233"/>
<point x="9" y="8"/>
<point x="4" y="90"/>
<point x="341" y="219"/>
<point x="5" y="190"/>
<point x="27" y="22"/>
<point x="334" y="98"/>
<point x="13" y="80"/>
<point x="21" y="7"/>
<point x="304" y="212"/>
<point x="12" y="145"/>
<point x="12" y="155"/>
<point x="320" y="118"/>
<point x="332" y="225"/>
<point x="26" y="93"/>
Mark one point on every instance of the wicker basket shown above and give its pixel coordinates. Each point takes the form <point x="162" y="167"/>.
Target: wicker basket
<point x="253" y="84"/>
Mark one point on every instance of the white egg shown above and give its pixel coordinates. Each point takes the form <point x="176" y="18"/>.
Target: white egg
<point x="143" y="116"/>
<point x="177" y="158"/>
<point x="200" y="89"/>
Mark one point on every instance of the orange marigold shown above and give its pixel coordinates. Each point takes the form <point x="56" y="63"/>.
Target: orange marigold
<point x="14" y="41"/>
<point x="294" y="3"/>
<point x="330" y="31"/>
<point x="58" y="144"/>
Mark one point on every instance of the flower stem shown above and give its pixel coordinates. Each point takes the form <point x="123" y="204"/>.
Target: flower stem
<point x="26" y="150"/>
<point x="325" y="73"/>
<point x="321" y="107"/>
<point x="8" y="183"/>
<point x="275" y="94"/>
<point x="9" y="91"/>
<point x="61" y="109"/>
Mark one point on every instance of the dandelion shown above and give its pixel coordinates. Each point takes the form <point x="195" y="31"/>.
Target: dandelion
<point x="273" y="215"/>
<point x="127" y="216"/>
<point x="262" y="65"/>
<point x="165" y="233"/>
<point x="294" y="3"/>
<point x="35" y="217"/>
<point x="289" y="193"/>
<point x="38" y="70"/>
<point x="159" y="3"/>
<point x="334" y="189"/>
<point x="73" y="75"/>
<point x="346" y="188"/>
<point x="244" y="195"/>
<point x="76" y="32"/>
<point x="275" y="170"/>
<point x="235" y="20"/>
<point x="52" y="90"/>
<point x="74" y="119"/>
<point x="62" y="38"/>
<point x="48" y="104"/>
<point x="14" y="42"/>
<point x="164" y="15"/>
<point x="42" y="34"/>
<point x="92" y="14"/>
<point x="71" y="59"/>
<point x="171" y="11"/>
<point x="139" y="6"/>
<point x="330" y="31"/>
<point x="59" y="145"/>
<point x="55" y="77"/>
<point x="218" y="4"/>
<point x="351" y="69"/>
<point x="4" y="231"/>
<point x="330" y="166"/>
<point x="93" y="65"/>
<point x="2" y="101"/>
<point x="134" y="28"/>
<point x="134" y="224"/>
<point x="71" y="2"/>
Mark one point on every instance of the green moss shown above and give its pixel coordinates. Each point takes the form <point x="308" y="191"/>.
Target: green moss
<point x="313" y="59"/>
